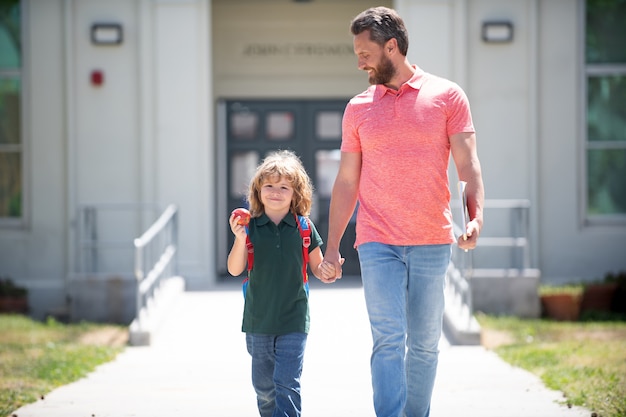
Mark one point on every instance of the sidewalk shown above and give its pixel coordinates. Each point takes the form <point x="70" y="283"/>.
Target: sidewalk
<point x="198" y="366"/>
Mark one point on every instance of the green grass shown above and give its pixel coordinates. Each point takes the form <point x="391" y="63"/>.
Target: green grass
<point x="584" y="360"/>
<point x="574" y="289"/>
<point x="37" y="357"/>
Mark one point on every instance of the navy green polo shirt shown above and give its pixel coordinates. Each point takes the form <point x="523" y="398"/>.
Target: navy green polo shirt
<point x="276" y="302"/>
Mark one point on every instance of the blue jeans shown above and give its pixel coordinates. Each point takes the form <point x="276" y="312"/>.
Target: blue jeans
<point x="403" y="288"/>
<point x="276" y="370"/>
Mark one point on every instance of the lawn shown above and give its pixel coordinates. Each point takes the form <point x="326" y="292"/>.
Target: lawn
<point x="584" y="360"/>
<point x="37" y="357"/>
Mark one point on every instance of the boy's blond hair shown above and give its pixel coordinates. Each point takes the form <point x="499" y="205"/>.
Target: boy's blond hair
<point x="282" y="164"/>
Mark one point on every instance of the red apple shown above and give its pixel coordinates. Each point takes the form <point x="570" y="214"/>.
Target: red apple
<point x="244" y="216"/>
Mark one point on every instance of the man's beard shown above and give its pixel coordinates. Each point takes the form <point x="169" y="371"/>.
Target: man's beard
<point x="384" y="73"/>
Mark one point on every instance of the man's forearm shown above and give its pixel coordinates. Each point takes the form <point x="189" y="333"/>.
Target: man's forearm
<point x="342" y="206"/>
<point x="475" y="193"/>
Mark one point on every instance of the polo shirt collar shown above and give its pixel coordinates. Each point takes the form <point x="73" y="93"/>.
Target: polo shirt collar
<point x="417" y="79"/>
<point x="289" y="219"/>
<point x="414" y="82"/>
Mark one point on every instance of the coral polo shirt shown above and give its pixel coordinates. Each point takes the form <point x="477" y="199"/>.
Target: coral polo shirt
<point x="403" y="137"/>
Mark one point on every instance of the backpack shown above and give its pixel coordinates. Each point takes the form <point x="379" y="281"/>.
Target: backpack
<point x="305" y="232"/>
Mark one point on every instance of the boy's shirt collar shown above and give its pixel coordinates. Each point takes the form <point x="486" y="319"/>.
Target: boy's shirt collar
<point x="263" y="219"/>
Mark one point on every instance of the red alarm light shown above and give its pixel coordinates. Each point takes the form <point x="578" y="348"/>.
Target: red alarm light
<point x="97" y="78"/>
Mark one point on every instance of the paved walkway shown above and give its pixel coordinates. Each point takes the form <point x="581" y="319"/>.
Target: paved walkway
<point x="198" y="366"/>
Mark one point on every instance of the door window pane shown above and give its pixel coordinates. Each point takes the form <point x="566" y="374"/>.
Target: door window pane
<point x="328" y="125"/>
<point x="280" y="125"/>
<point x="242" y="167"/>
<point x="327" y="167"/>
<point x="606" y="181"/>
<point x="244" y="125"/>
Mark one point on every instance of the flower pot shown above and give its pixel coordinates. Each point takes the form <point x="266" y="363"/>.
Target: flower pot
<point x="619" y="300"/>
<point x="12" y="304"/>
<point x="598" y="297"/>
<point x="562" y="307"/>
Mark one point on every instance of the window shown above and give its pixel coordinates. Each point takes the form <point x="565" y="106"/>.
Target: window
<point x="244" y="125"/>
<point x="326" y="167"/>
<point x="280" y="125"/>
<point x="328" y="124"/>
<point x="11" y="146"/>
<point x="242" y="168"/>
<point x="605" y="145"/>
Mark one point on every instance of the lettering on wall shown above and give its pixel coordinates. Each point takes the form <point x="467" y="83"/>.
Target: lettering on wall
<point x="300" y="49"/>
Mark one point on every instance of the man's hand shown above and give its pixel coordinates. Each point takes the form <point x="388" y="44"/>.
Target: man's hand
<point x="331" y="266"/>
<point x="470" y="238"/>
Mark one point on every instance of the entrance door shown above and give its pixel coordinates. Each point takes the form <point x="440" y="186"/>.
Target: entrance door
<point x="249" y="129"/>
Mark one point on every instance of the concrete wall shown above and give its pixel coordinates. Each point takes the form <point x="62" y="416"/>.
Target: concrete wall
<point x="184" y="130"/>
<point x="286" y="49"/>
<point x="133" y="139"/>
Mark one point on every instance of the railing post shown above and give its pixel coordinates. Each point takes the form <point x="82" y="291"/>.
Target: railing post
<point x="174" y="239"/>
<point x="138" y="278"/>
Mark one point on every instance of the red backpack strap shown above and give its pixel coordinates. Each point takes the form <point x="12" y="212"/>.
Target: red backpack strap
<point x="250" y="247"/>
<point x="305" y="232"/>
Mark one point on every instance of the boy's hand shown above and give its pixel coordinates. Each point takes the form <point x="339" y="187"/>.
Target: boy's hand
<point x="328" y="272"/>
<point x="238" y="230"/>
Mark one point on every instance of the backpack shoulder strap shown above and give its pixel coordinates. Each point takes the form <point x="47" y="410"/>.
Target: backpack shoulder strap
<point x="304" y="227"/>
<point x="250" y="247"/>
<point x="305" y="232"/>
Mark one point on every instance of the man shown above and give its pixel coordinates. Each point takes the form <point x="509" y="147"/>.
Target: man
<point x="397" y="139"/>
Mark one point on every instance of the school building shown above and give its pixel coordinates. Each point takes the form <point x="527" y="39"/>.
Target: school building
<point x="113" y="110"/>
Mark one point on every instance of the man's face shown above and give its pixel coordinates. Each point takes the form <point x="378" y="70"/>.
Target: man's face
<point x="372" y="58"/>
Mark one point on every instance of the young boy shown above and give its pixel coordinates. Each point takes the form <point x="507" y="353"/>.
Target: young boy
<point x="276" y="311"/>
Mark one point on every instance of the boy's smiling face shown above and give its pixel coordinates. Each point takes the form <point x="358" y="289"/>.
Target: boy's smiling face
<point x="276" y="195"/>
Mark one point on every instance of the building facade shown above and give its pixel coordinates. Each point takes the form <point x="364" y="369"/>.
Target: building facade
<point x="122" y="107"/>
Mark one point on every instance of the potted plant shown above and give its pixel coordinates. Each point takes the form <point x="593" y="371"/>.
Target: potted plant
<point x="598" y="295"/>
<point x="13" y="298"/>
<point x="561" y="302"/>
<point x="618" y="304"/>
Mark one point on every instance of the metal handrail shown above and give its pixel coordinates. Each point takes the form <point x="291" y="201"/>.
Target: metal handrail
<point x="461" y="266"/>
<point x="458" y="281"/>
<point x="155" y="249"/>
<point x="91" y="246"/>
<point x="518" y="240"/>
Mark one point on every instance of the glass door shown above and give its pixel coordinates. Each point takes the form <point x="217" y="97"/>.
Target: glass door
<point x="249" y="129"/>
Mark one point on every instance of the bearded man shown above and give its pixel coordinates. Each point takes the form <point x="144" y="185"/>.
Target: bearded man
<point x="397" y="138"/>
